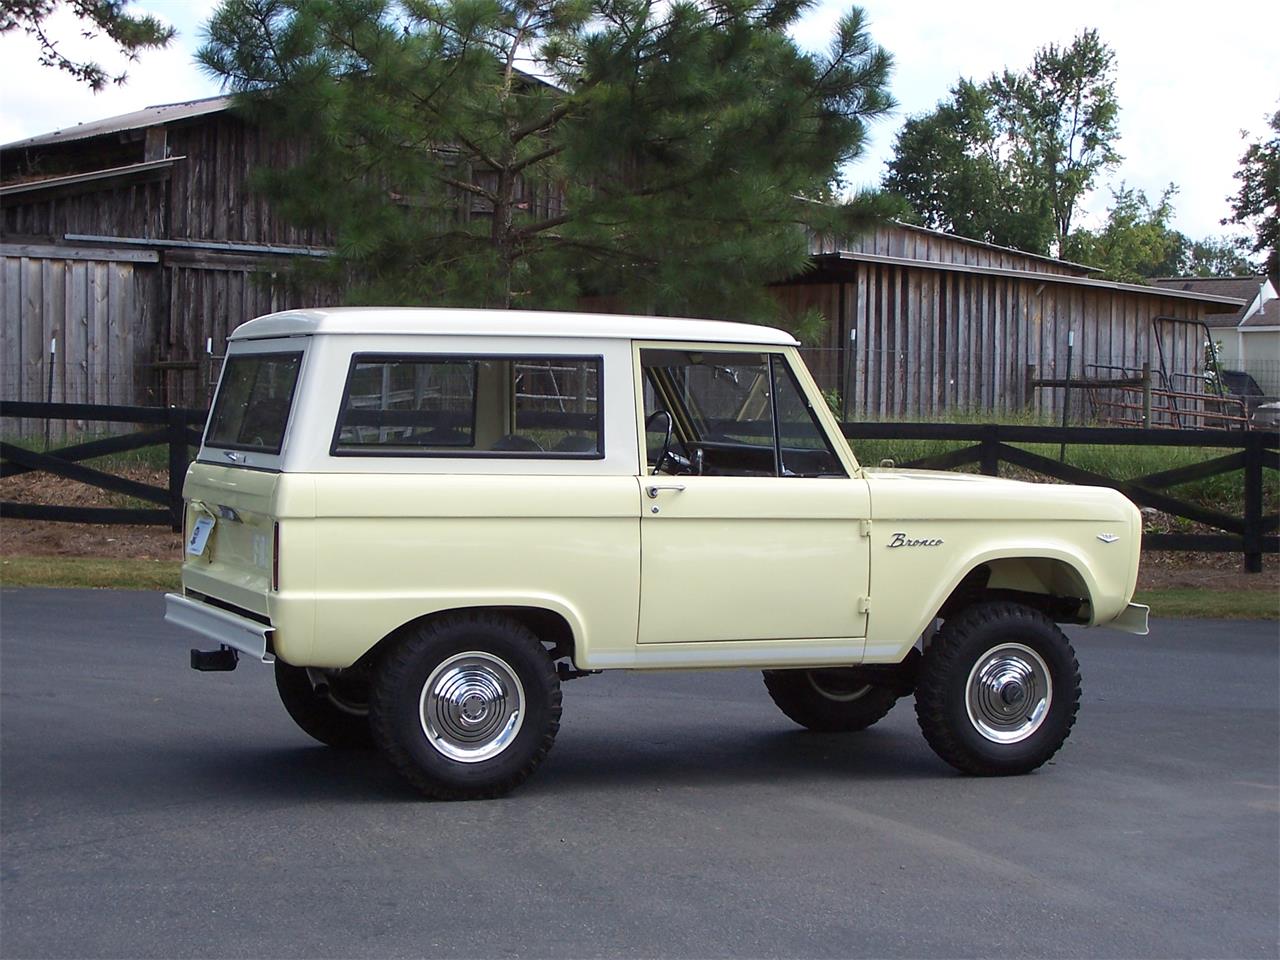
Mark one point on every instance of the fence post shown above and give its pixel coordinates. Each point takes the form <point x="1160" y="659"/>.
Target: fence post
<point x="990" y="454"/>
<point x="1146" y="394"/>
<point x="177" y="466"/>
<point x="1253" y="502"/>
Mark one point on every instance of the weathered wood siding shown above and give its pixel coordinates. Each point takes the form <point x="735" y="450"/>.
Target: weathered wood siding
<point x="101" y="313"/>
<point x="916" y="243"/>
<point x="920" y="342"/>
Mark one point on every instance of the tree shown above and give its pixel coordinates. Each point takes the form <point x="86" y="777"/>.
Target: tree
<point x="1255" y="203"/>
<point x="1214" y="257"/>
<point x="953" y="168"/>
<point x="1009" y="161"/>
<point x="1137" y="242"/>
<point x="109" y="18"/>
<point x="523" y="152"/>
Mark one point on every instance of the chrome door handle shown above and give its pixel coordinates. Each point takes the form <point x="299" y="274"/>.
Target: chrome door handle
<point x="657" y="488"/>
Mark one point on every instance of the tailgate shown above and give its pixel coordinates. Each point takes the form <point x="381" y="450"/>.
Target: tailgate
<point x="235" y="566"/>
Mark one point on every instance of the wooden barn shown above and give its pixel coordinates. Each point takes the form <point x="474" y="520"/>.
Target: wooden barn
<point x="921" y="322"/>
<point x="136" y="244"/>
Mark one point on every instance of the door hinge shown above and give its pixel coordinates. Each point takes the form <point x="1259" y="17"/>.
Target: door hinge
<point x="866" y="528"/>
<point x="864" y="604"/>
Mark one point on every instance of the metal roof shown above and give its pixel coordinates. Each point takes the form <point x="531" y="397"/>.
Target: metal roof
<point x="1014" y="251"/>
<point x="139" y="119"/>
<point x="1032" y="276"/>
<point x="507" y="323"/>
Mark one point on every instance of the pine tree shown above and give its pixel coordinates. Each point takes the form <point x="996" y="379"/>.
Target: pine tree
<point x="527" y="152"/>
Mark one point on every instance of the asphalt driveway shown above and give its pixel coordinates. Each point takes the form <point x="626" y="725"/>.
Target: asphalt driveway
<point x="147" y="810"/>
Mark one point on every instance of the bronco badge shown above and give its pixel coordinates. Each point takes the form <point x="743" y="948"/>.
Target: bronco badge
<point x="902" y="540"/>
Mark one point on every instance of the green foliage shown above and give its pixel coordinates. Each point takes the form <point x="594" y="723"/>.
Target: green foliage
<point x="1255" y="203"/>
<point x="526" y="152"/>
<point x="131" y="33"/>
<point x="1008" y="161"/>
<point x="1137" y="242"/>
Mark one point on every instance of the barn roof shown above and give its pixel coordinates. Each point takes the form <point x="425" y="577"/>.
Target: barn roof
<point x="138" y="120"/>
<point x="832" y="261"/>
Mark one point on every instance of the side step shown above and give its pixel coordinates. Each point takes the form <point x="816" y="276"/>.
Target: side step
<point x="214" y="661"/>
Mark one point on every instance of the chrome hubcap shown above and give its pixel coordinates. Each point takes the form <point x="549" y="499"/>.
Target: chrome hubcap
<point x="472" y="707"/>
<point x="1008" y="693"/>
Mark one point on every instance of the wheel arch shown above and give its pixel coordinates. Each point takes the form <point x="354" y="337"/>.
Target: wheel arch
<point x="557" y="626"/>
<point x="1058" y="584"/>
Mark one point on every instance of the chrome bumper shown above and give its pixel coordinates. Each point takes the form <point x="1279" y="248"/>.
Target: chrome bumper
<point x="220" y="626"/>
<point x="1132" y="619"/>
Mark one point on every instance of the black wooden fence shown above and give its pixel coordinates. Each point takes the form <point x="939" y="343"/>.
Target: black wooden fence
<point x="174" y="427"/>
<point x="1250" y="533"/>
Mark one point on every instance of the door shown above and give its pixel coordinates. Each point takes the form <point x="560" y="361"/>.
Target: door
<point x="751" y="527"/>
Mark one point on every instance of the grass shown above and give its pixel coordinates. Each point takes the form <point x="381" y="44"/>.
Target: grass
<point x="1198" y="604"/>
<point x="100" y="572"/>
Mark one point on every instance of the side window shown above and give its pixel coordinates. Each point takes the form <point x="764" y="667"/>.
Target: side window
<point x="457" y="406"/>
<point x="731" y="413"/>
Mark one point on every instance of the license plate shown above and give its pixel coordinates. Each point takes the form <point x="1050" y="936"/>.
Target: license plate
<point x="199" y="536"/>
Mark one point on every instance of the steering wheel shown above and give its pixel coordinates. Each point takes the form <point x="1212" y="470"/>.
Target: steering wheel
<point x="667" y="456"/>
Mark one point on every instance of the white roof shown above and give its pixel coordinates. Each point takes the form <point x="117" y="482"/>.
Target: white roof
<point x="506" y="323"/>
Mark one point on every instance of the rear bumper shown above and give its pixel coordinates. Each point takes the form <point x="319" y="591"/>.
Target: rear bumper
<point x="1132" y="619"/>
<point x="220" y="626"/>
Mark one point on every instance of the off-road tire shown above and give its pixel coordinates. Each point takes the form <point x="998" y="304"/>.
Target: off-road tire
<point x="398" y="691"/>
<point x="808" y="698"/>
<point x="946" y="711"/>
<point x="334" y="721"/>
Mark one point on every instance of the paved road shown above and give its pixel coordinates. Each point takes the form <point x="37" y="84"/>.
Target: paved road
<point x="151" y="811"/>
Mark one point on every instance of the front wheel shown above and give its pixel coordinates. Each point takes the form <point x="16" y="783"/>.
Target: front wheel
<point x="467" y="706"/>
<point x="998" y="690"/>
<point x="838" y="700"/>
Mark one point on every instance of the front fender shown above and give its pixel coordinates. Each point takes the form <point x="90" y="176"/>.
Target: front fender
<point x="909" y="585"/>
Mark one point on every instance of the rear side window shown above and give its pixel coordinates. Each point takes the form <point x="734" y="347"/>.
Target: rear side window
<point x="457" y="406"/>
<point x="252" y="406"/>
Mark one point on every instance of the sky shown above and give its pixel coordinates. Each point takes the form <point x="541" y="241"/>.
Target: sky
<point x="1189" y="79"/>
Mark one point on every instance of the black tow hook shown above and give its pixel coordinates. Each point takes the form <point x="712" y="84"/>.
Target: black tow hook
<point x="214" y="661"/>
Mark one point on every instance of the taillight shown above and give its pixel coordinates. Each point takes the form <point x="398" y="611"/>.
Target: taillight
<point x="275" y="556"/>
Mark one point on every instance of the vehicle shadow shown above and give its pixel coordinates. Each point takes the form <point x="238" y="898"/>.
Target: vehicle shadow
<point x="735" y="760"/>
<point x="582" y="762"/>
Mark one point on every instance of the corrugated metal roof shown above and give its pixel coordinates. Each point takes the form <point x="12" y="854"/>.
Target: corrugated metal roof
<point x="1083" y="267"/>
<point x="1032" y="276"/>
<point x="138" y="120"/>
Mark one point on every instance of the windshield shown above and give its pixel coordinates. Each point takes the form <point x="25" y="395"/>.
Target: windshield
<point x="252" y="406"/>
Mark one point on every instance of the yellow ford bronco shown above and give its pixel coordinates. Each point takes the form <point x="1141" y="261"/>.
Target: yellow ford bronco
<point x="427" y="519"/>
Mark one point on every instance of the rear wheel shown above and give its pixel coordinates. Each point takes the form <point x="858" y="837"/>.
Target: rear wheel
<point x="998" y="691"/>
<point x="331" y="707"/>
<point x="838" y="700"/>
<point x="467" y="706"/>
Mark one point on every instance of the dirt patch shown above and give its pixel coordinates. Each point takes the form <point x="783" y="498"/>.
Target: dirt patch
<point x="39" y="538"/>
